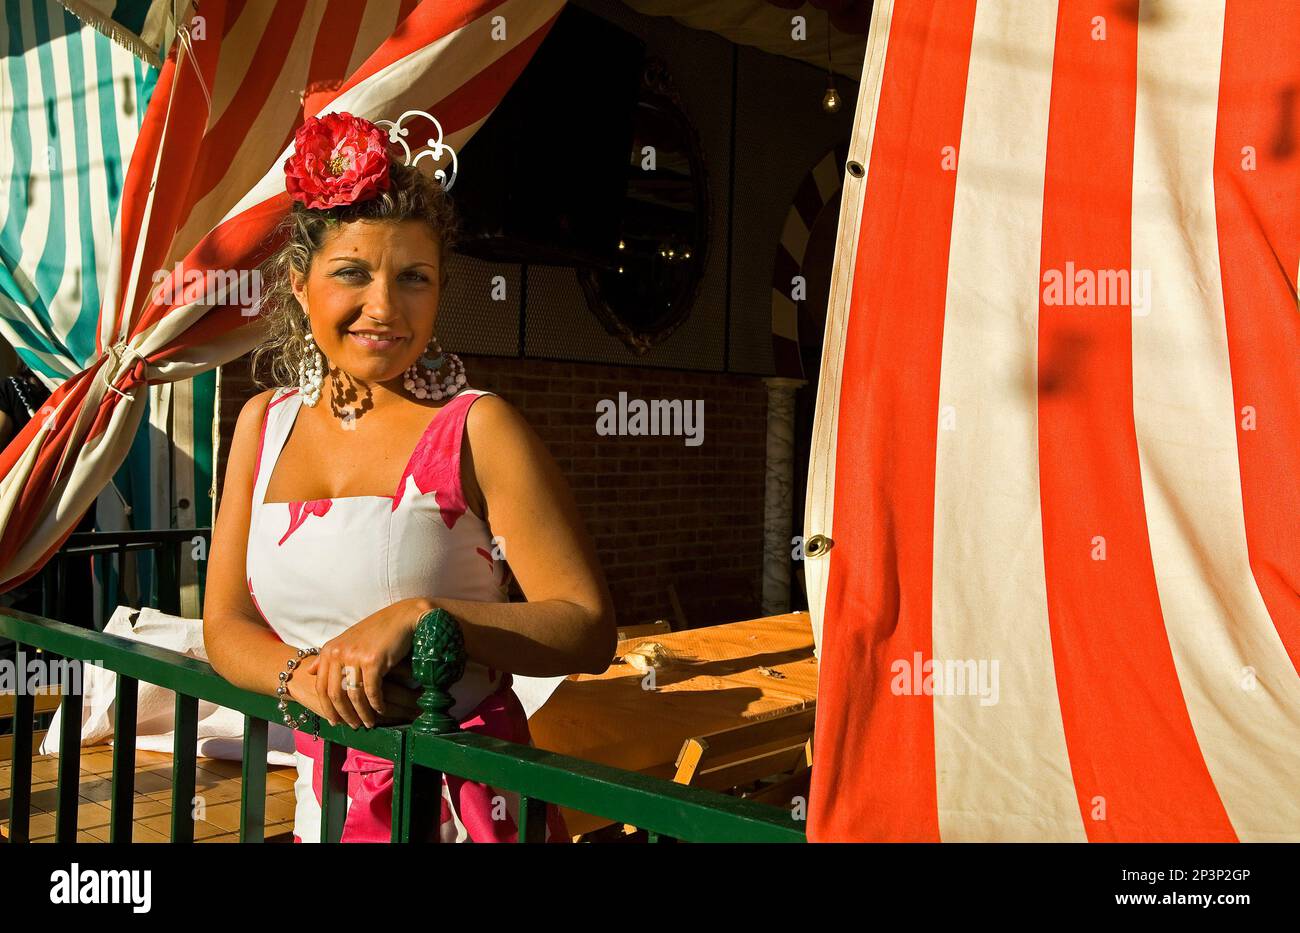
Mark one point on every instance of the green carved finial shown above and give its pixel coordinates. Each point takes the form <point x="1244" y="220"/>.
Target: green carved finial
<point x="438" y="661"/>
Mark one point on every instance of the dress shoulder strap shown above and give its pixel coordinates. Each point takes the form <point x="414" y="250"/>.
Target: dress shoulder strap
<point x="435" y="462"/>
<point x="276" y="422"/>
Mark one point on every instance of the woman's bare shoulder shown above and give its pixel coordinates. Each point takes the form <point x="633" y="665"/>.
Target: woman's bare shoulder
<point x="491" y="418"/>
<point x="501" y="437"/>
<point x="249" y="425"/>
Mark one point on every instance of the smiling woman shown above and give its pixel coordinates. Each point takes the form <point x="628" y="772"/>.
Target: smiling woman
<point x="342" y="525"/>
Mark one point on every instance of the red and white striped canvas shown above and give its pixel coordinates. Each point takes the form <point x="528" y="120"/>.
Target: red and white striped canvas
<point x="1058" y="431"/>
<point x="205" y="188"/>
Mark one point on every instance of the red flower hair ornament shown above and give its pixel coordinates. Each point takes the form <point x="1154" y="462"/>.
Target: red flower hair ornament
<point x="341" y="159"/>
<point x="337" y="159"/>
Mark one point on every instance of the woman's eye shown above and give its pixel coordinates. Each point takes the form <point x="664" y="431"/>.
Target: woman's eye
<point x="416" y="277"/>
<point x="353" y="274"/>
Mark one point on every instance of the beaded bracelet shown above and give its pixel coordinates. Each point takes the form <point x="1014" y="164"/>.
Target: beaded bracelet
<point x="283" y="690"/>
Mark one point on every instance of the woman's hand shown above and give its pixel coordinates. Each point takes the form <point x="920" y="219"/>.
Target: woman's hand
<point x="401" y="703"/>
<point x="368" y="651"/>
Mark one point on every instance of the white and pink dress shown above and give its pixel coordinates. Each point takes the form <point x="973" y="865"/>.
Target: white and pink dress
<point x="316" y="568"/>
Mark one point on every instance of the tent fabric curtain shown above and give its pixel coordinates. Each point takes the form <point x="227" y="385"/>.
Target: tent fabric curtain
<point x="1058" y="429"/>
<point x="205" y="189"/>
<point x="71" y="106"/>
<point x="146" y="28"/>
<point x="71" y="110"/>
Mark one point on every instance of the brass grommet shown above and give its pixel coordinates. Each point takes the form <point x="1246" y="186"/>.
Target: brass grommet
<point x="817" y="546"/>
<point x="855" y="169"/>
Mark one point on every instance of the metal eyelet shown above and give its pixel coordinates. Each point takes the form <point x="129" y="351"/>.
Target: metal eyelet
<point x="817" y="546"/>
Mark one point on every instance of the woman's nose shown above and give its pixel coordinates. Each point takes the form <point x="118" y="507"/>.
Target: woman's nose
<point x="379" y="302"/>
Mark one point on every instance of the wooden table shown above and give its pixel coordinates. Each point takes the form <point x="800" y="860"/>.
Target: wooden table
<point x="716" y="682"/>
<point x="217" y="784"/>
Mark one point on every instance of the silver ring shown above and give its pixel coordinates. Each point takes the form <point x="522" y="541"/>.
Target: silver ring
<point x="350" y="679"/>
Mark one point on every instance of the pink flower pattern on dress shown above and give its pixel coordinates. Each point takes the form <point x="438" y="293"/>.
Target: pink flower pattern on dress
<point x="298" y="512"/>
<point x="435" y="464"/>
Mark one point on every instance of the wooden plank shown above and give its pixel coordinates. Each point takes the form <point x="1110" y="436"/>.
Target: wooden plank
<point x="43" y="702"/>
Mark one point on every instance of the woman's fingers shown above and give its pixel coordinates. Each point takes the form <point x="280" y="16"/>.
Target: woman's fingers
<point x="366" y="691"/>
<point x="339" y="701"/>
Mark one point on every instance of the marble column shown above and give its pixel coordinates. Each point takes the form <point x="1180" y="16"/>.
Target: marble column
<point x="778" y="498"/>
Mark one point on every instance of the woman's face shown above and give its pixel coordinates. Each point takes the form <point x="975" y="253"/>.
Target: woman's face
<point x="372" y="296"/>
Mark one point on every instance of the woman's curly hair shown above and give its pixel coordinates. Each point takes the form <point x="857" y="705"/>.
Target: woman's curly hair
<point x="410" y="196"/>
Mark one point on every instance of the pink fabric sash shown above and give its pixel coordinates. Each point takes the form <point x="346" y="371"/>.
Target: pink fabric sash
<point x="370" y="782"/>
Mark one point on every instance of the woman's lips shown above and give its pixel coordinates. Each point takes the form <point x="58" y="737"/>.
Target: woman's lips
<point x="376" y="341"/>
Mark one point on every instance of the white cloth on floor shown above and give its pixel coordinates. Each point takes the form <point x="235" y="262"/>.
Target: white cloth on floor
<point x="221" y="730"/>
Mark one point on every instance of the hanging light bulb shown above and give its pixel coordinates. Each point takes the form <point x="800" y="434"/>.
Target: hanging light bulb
<point x="831" y="99"/>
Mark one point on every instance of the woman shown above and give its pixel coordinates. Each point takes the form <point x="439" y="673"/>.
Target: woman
<point x="380" y="488"/>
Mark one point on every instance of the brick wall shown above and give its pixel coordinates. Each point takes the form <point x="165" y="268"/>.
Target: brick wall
<point x="660" y="512"/>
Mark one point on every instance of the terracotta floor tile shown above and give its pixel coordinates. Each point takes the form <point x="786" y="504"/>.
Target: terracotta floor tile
<point x="204" y="830"/>
<point x="280" y="780"/>
<point x="224" y="815"/>
<point x="222" y="766"/>
<point x="41" y="824"/>
<point x="216" y="789"/>
<point x="45" y="768"/>
<point x="160" y="824"/>
<point x="148" y="834"/>
<point x="280" y="809"/>
<point x="95" y="788"/>
<point x="153" y="781"/>
<point x="97" y="761"/>
<point x="146" y="807"/>
<point x="92" y="815"/>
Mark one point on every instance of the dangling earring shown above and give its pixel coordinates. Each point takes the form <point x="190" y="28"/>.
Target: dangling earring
<point x="311" y="372"/>
<point x="421" y="377"/>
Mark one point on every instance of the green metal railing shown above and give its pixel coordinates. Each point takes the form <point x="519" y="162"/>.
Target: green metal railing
<point x="160" y="548"/>
<point x="421" y="753"/>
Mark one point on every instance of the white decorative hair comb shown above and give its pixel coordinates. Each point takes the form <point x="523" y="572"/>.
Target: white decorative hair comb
<point x="433" y="148"/>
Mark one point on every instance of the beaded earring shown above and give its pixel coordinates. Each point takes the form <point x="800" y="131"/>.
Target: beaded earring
<point x="311" y="371"/>
<point x="421" y="378"/>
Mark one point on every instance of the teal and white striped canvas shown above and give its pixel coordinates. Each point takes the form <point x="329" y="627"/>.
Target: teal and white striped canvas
<point x="71" y="106"/>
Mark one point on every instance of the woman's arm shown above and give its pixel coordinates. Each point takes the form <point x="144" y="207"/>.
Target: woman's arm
<point x="567" y="625"/>
<point x="240" y="645"/>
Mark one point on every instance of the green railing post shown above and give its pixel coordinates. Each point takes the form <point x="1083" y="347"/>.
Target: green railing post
<point x="437" y="661"/>
<point x="532" y="820"/>
<point x="334" y="792"/>
<point x="121" y="818"/>
<point x="20" y="776"/>
<point x="252" y="787"/>
<point x="184" y="762"/>
<point x="166" y="562"/>
<point x="65" y="822"/>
